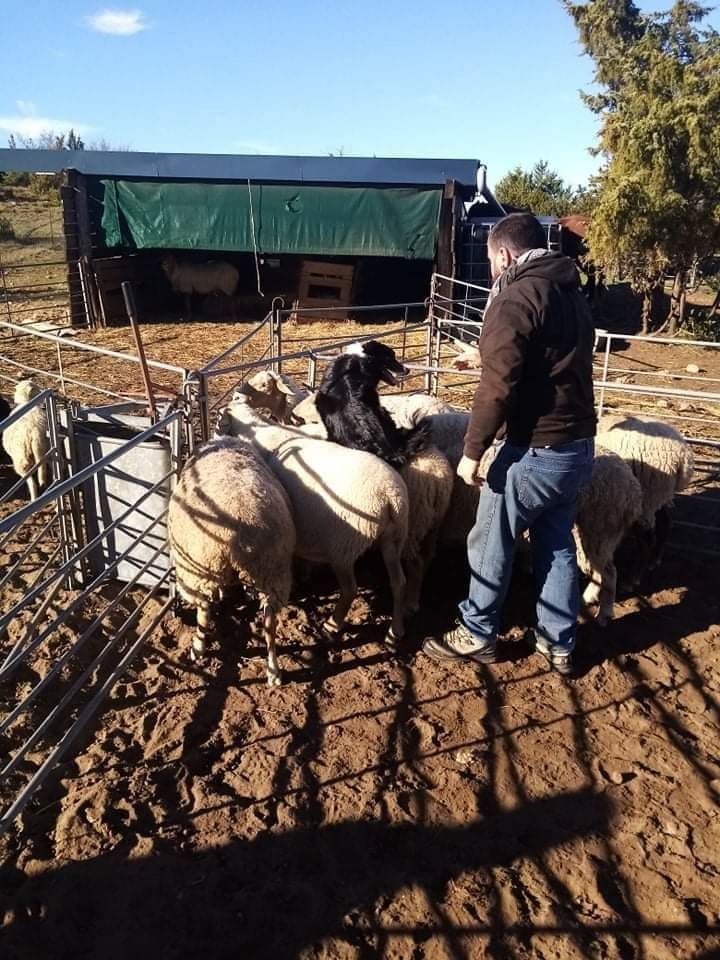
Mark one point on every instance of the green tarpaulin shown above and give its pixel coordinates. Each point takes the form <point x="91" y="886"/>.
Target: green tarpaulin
<point x="329" y="221"/>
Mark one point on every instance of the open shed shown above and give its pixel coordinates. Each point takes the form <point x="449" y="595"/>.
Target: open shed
<point x="379" y="226"/>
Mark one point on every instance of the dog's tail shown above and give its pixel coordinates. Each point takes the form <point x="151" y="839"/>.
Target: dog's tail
<point x="414" y="440"/>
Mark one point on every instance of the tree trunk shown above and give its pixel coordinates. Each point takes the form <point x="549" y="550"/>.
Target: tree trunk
<point x="677" y="304"/>
<point x="647" y="304"/>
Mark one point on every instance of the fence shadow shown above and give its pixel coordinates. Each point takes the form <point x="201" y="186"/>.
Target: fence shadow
<point x="273" y="896"/>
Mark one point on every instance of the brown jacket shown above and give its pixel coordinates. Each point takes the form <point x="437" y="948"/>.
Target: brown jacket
<point x="536" y="349"/>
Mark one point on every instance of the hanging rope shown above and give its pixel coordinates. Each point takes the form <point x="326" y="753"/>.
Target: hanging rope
<point x="257" y="260"/>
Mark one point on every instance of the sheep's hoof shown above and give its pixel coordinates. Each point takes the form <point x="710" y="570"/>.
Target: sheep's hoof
<point x="197" y="651"/>
<point x="332" y="628"/>
<point x="392" y="638"/>
<point x="274" y="679"/>
<point x="602" y="619"/>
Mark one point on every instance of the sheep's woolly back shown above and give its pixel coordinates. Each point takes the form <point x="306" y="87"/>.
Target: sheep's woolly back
<point x="429" y="480"/>
<point x="229" y="519"/>
<point x="213" y="276"/>
<point x="609" y="506"/>
<point x="343" y="500"/>
<point x="407" y="410"/>
<point x="658" y="455"/>
<point x="26" y="441"/>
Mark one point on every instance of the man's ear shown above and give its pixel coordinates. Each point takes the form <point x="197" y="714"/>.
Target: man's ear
<point x="506" y="257"/>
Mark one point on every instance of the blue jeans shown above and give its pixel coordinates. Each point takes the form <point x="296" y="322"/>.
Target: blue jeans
<point x="533" y="489"/>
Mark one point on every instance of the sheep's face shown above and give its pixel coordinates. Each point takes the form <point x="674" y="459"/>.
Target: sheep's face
<point x="378" y="361"/>
<point x="270" y="391"/>
<point x="24" y="391"/>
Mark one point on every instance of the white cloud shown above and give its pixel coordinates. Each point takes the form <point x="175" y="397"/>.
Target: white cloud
<point x="29" y="124"/>
<point x="119" y="23"/>
<point x="26" y="107"/>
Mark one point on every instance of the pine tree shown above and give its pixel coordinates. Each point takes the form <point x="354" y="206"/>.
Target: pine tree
<point x="658" y="205"/>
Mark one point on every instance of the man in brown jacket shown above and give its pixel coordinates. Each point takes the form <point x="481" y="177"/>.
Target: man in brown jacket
<point x="536" y="351"/>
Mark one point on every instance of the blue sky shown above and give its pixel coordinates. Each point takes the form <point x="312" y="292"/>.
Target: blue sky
<point x="495" y="81"/>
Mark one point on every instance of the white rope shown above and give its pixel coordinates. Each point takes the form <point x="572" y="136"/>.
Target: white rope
<point x="252" y="226"/>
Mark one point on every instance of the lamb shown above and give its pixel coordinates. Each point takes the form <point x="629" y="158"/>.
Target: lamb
<point x="344" y="501"/>
<point x="609" y="508"/>
<point x="429" y="479"/>
<point x="187" y="278"/>
<point x="663" y="463"/>
<point x="273" y="394"/>
<point x="26" y="440"/>
<point x="229" y="520"/>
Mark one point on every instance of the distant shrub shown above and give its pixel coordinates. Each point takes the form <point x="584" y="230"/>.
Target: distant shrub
<point x="14" y="178"/>
<point x="7" y="231"/>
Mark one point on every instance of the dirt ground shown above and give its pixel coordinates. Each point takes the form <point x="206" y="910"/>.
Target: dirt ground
<point x="378" y="804"/>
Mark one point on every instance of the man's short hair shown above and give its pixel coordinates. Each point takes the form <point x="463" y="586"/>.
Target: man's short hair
<point x="518" y="232"/>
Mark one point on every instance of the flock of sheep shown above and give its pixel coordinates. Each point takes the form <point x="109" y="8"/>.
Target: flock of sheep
<point x="324" y="503"/>
<point x="270" y="488"/>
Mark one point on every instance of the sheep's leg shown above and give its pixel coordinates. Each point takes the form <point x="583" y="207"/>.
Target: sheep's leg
<point x="42" y="475"/>
<point x="274" y="675"/>
<point x="233" y="311"/>
<point x="188" y="306"/>
<point x="33" y="486"/>
<point x="592" y="591"/>
<point x="417" y="567"/>
<point x="608" y="589"/>
<point x="197" y="651"/>
<point x="348" y="591"/>
<point x="663" y="523"/>
<point x="415" y="574"/>
<point x="391" y="557"/>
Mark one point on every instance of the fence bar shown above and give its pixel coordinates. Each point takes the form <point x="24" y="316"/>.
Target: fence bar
<point x="45" y="769"/>
<point x="92" y="348"/>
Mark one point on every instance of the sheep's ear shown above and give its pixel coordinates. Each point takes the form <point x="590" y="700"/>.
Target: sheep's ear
<point x="283" y="384"/>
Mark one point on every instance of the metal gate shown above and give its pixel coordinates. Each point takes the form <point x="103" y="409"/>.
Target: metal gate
<point x="79" y="599"/>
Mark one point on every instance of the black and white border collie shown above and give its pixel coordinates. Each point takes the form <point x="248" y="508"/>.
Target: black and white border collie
<point x="349" y="405"/>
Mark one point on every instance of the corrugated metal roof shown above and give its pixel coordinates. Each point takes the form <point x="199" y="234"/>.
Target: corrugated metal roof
<point x="197" y="166"/>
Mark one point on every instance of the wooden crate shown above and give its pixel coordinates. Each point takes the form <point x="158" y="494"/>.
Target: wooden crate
<point x="324" y="285"/>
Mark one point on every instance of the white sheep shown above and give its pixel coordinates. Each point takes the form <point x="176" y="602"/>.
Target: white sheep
<point x="447" y="430"/>
<point x="273" y="394"/>
<point x="659" y="456"/>
<point x="609" y="507"/>
<point x="344" y="501"/>
<point x="26" y="441"/>
<point x="428" y="477"/>
<point x="215" y="276"/>
<point x="230" y="520"/>
<point x="406" y="409"/>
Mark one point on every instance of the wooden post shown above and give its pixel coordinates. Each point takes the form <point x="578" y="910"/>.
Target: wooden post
<point x="445" y="258"/>
<point x="133" y="318"/>
<point x="72" y="248"/>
